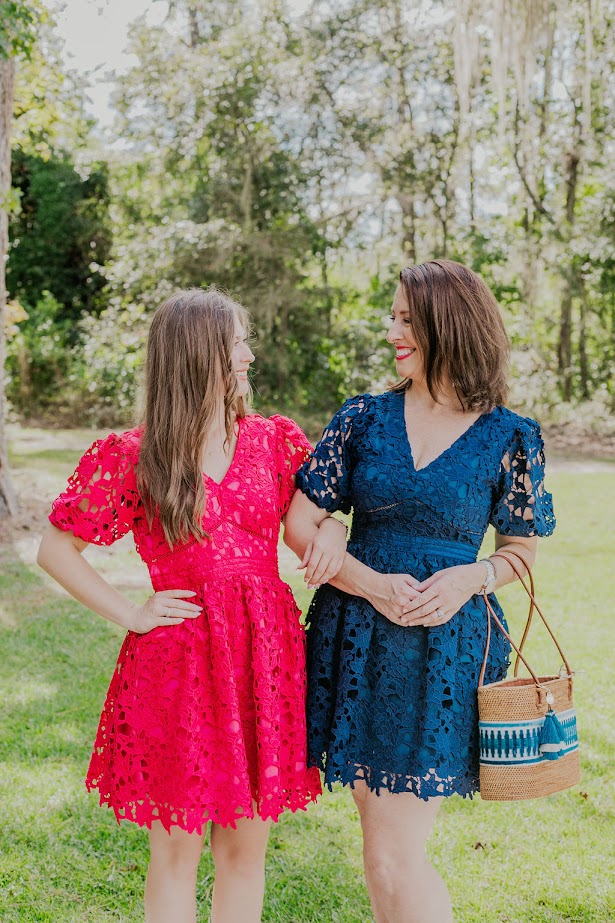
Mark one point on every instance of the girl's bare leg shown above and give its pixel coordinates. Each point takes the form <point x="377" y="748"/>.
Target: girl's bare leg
<point x="239" y="858"/>
<point x="170" y="888"/>
<point x="403" y="885"/>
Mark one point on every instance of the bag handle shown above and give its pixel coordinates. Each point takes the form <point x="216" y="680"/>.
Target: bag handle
<point x="504" y="553"/>
<point x="492" y="615"/>
<point x="533" y="604"/>
<point x="532" y="595"/>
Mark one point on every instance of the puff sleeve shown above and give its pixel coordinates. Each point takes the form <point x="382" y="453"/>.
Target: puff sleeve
<point x="292" y="449"/>
<point x="522" y="507"/>
<point x="325" y="478"/>
<point x="101" y="501"/>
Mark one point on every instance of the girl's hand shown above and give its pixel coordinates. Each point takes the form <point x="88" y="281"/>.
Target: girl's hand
<point x="443" y="594"/>
<point x="168" y="607"/>
<point x="324" y="555"/>
<point x="393" y="595"/>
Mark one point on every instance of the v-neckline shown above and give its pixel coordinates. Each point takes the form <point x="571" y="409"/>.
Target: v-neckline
<point x="402" y="405"/>
<point x="208" y="477"/>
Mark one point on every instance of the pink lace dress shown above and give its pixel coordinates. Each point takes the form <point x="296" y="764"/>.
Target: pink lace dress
<point x="203" y="720"/>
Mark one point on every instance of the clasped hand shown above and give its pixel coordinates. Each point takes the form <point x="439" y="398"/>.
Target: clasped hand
<point x="408" y="602"/>
<point x="324" y="555"/>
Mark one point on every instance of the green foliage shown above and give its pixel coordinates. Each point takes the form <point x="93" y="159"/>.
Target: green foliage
<point x="59" y="373"/>
<point x="60" y="236"/>
<point x="106" y="366"/>
<point x="49" y="107"/>
<point x="299" y="162"/>
<point x="18" y="23"/>
<point x="38" y="358"/>
<point x="229" y="207"/>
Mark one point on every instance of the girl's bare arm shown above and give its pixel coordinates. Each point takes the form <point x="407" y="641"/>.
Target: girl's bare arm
<point x="60" y="555"/>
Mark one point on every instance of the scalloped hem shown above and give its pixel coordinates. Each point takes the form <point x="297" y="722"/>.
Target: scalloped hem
<point x="144" y="813"/>
<point x="377" y="780"/>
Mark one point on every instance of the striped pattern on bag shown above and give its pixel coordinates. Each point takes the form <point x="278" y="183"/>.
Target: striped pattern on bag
<point x="518" y="742"/>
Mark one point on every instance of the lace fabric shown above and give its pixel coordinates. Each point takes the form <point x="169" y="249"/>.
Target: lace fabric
<point x="203" y="720"/>
<point x="392" y="705"/>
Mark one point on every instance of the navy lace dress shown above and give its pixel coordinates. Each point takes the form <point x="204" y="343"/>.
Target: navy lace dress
<point x="392" y="705"/>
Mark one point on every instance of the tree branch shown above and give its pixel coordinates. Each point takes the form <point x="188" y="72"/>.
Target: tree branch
<point x="534" y="197"/>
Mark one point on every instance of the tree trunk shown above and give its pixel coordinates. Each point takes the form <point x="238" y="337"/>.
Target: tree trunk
<point x="564" y="346"/>
<point x="583" y="357"/>
<point x="195" y="32"/>
<point x="8" y="502"/>
<point x="405" y="117"/>
<point x="324" y="271"/>
<point x="282" y="346"/>
<point x="472" y="187"/>
<point x="408" y="226"/>
<point x="571" y="281"/>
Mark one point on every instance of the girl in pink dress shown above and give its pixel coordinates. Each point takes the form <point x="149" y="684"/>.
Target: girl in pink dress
<point x="205" y="715"/>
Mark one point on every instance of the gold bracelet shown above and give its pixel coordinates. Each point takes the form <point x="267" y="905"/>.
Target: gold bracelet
<point x="343" y="524"/>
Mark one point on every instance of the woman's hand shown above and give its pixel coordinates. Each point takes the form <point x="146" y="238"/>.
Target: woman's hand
<point x="324" y="555"/>
<point x="393" y="595"/>
<point x="168" y="607"/>
<point x="443" y="594"/>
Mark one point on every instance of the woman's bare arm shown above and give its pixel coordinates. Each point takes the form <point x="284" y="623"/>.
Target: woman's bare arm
<point x="447" y="590"/>
<point x="390" y="594"/>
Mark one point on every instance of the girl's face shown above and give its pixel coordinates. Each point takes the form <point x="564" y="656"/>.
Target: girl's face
<point x="408" y="357"/>
<point x="242" y="358"/>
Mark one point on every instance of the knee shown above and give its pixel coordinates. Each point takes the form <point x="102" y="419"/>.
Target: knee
<point x="243" y="860"/>
<point x="360" y="795"/>
<point x="380" y="862"/>
<point x="177" y="857"/>
<point x="387" y="865"/>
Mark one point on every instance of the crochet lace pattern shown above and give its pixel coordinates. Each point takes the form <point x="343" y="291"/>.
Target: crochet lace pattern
<point x="392" y="705"/>
<point x="204" y="720"/>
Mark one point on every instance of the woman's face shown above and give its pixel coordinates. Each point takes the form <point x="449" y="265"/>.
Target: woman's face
<point x="408" y="357"/>
<point x="242" y="358"/>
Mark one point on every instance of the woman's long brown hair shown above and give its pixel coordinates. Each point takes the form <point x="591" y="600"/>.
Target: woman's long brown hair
<point x="188" y="374"/>
<point x="458" y="327"/>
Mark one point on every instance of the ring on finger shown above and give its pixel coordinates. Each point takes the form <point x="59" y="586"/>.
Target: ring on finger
<point x="166" y="613"/>
<point x="440" y="614"/>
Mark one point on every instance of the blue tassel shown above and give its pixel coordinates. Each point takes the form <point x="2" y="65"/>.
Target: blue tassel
<point x="552" y="740"/>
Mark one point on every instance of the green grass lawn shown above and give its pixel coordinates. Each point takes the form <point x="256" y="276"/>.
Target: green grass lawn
<point x="62" y="858"/>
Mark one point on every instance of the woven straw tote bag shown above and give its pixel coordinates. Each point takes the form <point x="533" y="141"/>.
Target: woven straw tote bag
<point x="527" y="726"/>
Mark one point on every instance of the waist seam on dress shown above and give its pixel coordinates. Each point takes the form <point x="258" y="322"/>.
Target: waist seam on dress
<point x="413" y="542"/>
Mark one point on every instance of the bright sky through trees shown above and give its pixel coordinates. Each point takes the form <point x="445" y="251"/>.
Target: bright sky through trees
<point x="96" y="32"/>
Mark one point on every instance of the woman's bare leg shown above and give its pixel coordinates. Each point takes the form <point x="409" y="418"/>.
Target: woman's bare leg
<point x="170" y="888"/>
<point x="403" y="885"/>
<point x="239" y="858"/>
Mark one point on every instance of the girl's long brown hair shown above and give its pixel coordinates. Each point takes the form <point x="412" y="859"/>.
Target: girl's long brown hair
<point x="188" y="373"/>
<point x="458" y="327"/>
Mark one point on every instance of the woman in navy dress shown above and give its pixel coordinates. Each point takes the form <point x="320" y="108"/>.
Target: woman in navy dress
<point x="396" y="640"/>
